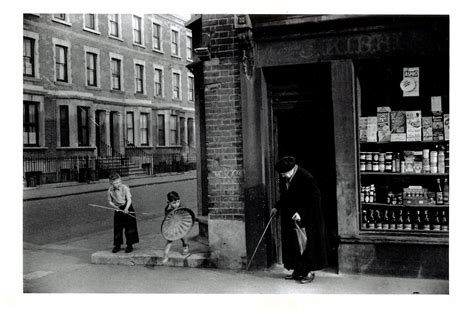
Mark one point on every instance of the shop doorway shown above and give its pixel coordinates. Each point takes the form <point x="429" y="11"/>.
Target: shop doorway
<point x="302" y="116"/>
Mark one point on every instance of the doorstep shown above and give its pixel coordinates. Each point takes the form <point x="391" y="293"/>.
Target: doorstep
<point x="154" y="257"/>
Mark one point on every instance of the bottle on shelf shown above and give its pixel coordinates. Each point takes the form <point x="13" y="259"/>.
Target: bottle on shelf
<point x="434" y="160"/>
<point x="378" y="220"/>
<point x="371" y="220"/>
<point x="426" y="221"/>
<point x="417" y="225"/>
<point x="385" y="220"/>
<point x="446" y="192"/>
<point x="364" y="219"/>
<point x="444" y="221"/>
<point x="399" y="225"/>
<point x="393" y="221"/>
<point x="436" y="222"/>
<point x="441" y="159"/>
<point x="407" y="222"/>
<point x="439" y="193"/>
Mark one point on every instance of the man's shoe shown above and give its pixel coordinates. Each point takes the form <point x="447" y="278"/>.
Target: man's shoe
<point x="116" y="249"/>
<point x="129" y="249"/>
<point x="293" y="277"/>
<point x="308" y="278"/>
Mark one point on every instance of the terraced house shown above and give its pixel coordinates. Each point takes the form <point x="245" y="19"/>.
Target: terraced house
<point x="103" y="92"/>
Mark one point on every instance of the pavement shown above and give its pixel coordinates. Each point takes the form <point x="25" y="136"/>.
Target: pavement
<point x="66" y="266"/>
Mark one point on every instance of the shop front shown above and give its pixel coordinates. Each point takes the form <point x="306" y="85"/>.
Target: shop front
<point x="336" y="91"/>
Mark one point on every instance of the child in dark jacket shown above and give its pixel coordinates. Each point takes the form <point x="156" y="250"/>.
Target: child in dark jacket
<point x="173" y="203"/>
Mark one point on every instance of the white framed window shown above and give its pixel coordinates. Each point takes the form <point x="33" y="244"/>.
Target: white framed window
<point x="31" y="124"/>
<point x="116" y="72"/>
<point x="138" y="38"/>
<point x="174" y="42"/>
<point x="64" y="139"/>
<point x="115" y="26"/>
<point x="140" y="76"/>
<point x="62" y="60"/>
<point x="144" y="136"/>
<point x="158" y="86"/>
<point x="190" y="87"/>
<point x="189" y="47"/>
<point x="61" y="18"/>
<point x="91" y="23"/>
<point x="176" y="84"/>
<point x="30" y="54"/>
<point x="83" y="126"/>
<point x="157" y="36"/>
<point x="92" y="66"/>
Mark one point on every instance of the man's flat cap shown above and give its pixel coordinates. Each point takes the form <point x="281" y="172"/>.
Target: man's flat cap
<point x="285" y="164"/>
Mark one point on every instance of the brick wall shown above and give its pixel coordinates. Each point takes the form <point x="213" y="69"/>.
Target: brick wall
<point x="223" y="120"/>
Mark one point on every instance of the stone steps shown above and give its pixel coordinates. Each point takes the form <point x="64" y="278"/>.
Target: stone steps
<point x="151" y="258"/>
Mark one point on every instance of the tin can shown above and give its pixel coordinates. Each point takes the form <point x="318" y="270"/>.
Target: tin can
<point x="382" y="157"/>
<point x="388" y="166"/>
<point x="368" y="157"/>
<point x="375" y="167"/>
<point x="381" y="167"/>
<point x="362" y="166"/>
<point x="388" y="156"/>
<point x="375" y="156"/>
<point x="369" y="166"/>
<point x="362" y="156"/>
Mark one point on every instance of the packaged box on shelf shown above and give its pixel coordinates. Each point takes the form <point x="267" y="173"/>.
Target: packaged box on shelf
<point x="372" y="129"/>
<point x="427" y="128"/>
<point x="383" y="123"/>
<point x="363" y="129"/>
<point x="438" y="128"/>
<point x="409" y="158"/>
<point x="417" y="196"/>
<point x="446" y="127"/>
<point x="398" y="122"/>
<point x="398" y="137"/>
<point x="413" y="126"/>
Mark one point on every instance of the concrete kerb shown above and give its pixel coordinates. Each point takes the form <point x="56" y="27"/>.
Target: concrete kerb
<point x="61" y="189"/>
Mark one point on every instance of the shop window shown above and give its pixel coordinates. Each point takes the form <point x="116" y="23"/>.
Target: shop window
<point x="30" y="124"/>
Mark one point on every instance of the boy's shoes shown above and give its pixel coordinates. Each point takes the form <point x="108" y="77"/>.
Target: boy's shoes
<point x="308" y="278"/>
<point x="293" y="276"/>
<point x="185" y="250"/>
<point x="116" y="249"/>
<point x="129" y="249"/>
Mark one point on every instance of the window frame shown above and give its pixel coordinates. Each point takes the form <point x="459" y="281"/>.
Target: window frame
<point x="175" y="141"/>
<point x="28" y="124"/>
<point x="119" y="26"/>
<point x="190" y="128"/>
<point x="67" y="45"/>
<point x="96" y="52"/>
<point x="157" y="67"/>
<point x="83" y="130"/>
<point x="65" y="21"/>
<point x="30" y="57"/>
<point x="161" y="128"/>
<point x="142" y="64"/>
<point x="130" y="127"/>
<point x="178" y="51"/>
<point x="95" y="21"/>
<point x="160" y="36"/>
<point x="191" y="90"/>
<point x="114" y="56"/>
<point x="64" y="130"/>
<point x="35" y="37"/>
<point x="142" y="32"/>
<point x="189" y="49"/>
<point x="144" y="129"/>
<point x="173" y="73"/>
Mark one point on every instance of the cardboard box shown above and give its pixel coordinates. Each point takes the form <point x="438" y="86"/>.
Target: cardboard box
<point x="446" y="127"/>
<point x="427" y="128"/>
<point x="398" y="137"/>
<point x="438" y="128"/>
<point x="398" y="119"/>
<point x="409" y="158"/>
<point x="383" y="124"/>
<point x="363" y="129"/>
<point x="413" y="126"/>
<point x="372" y="129"/>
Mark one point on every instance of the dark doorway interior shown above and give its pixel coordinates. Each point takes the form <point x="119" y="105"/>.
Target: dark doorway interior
<point x="301" y="102"/>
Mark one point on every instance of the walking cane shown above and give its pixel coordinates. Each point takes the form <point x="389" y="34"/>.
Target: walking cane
<point x="261" y="238"/>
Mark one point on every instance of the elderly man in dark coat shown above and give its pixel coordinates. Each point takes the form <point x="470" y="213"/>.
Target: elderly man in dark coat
<point x="300" y="201"/>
